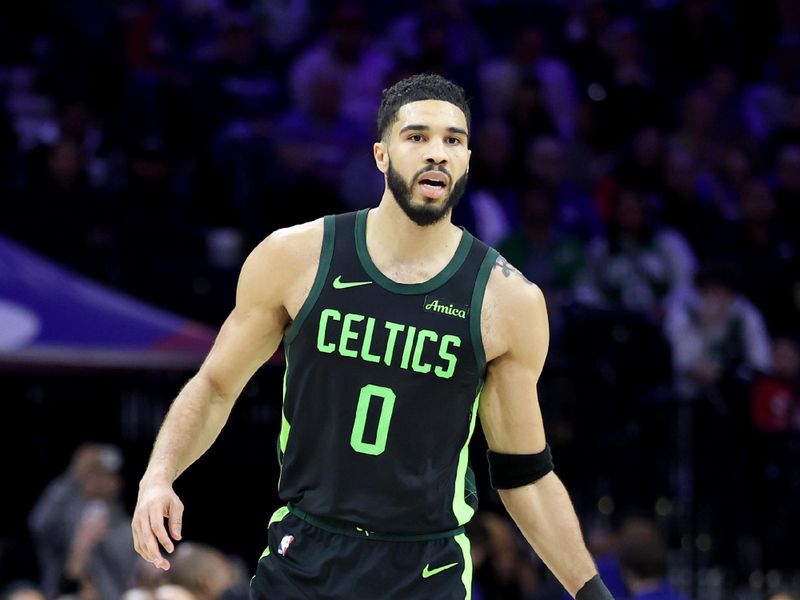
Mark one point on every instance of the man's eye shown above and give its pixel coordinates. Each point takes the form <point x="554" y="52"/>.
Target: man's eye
<point x="415" y="138"/>
<point x="453" y="141"/>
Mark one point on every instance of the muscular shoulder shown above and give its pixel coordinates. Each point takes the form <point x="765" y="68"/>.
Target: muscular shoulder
<point x="514" y="315"/>
<point x="282" y="265"/>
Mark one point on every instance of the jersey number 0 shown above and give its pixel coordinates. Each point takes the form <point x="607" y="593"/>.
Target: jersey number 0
<point x="387" y="397"/>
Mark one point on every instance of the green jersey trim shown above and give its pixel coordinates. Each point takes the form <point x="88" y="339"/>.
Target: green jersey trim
<point x="461" y="509"/>
<point x="478" y="293"/>
<point x="286" y="427"/>
<point x="466" y="575"/>
<point x="408" y="289"/>
<point x="329" y="225"/>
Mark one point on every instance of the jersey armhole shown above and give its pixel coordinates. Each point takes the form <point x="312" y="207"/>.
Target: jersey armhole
<point x="478" y="293"/>
<point x="329" y="228"/>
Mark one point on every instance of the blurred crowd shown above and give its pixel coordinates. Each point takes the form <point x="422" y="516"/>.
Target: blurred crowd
<point x="84" y="544"/>
<point x="639" y="161"/>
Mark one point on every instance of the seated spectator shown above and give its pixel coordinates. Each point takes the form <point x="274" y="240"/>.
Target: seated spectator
<point x="782" y="595"/>
<point x="491" y="203"/>
<point x="60" y="190"/>
<point x="528" y="116"/>
<point x="146" y="576"/>
<point x="545" y="253"/>
<point x="546" y="160"/>
<point x="688" y="203"/>
<point x="787" y="188"/>
<point x="715" y="332"/>
<point x="765" y="255"/>
<point x="501" y="77"/>
<point x="626" y="84"/>
<point x="775" y="406"/>
<point x="719" y="341"/>
<point x="698" y="132"/>
<point x="789" y="131"/>
<point x="137" y="594"/>
<point x="21" y="590"/>
<point x="206" y="573"/>
<point x="437" y="32"/>
<point x="81" y="530"/>
<point x="637" y="266"/>
<point x="764" y="100"/>
<point x="643" y="559"/>
<point x="496" y="574"/>
<point x="173" y="592"/>
<point x="314" y="141"/>
<point x="347" y="55"/>
<point x="505" y="566"/>
<point x="642" y="164"/>
<point x="435" y="53"/>
<point x="734" y="170"/>
<point x="162" y="592"/>
<point x="776" y="396"/>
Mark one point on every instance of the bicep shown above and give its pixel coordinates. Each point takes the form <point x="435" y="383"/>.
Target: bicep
<point x="509" y="406"/>
<point x="253" y="330"/>
<point x="247" y="339"/>
<point x="509" y="409"/>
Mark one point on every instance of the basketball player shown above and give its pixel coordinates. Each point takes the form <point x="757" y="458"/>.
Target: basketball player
<point x="399" y="329"/>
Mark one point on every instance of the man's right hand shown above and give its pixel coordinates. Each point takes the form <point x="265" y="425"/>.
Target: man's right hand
<point x="156" y="501"/>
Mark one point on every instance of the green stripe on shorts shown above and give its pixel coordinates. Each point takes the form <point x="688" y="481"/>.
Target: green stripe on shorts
<point x="278" y="515"/>
<point x="463" y="541"/>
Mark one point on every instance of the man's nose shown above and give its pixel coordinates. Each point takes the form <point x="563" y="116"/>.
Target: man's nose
<point x="435" y="153"/>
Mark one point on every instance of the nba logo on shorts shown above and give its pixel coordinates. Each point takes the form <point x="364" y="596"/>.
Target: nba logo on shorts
<point x="285" y="543"/>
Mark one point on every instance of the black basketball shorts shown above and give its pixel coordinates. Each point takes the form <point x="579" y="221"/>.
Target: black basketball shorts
<point x="305" y="561"/>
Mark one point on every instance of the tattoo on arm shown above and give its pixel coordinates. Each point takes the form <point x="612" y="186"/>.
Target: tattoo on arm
<point x="508" y="269"/>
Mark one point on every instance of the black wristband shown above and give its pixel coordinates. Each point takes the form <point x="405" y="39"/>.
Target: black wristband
<point x="594" y="589"/>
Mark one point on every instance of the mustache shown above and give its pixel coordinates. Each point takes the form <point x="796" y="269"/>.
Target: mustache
<point x="440" y="168"/>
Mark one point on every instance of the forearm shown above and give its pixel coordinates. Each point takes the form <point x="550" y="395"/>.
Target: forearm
<point x="544" y="514"/>
<point x="193" y="422"/>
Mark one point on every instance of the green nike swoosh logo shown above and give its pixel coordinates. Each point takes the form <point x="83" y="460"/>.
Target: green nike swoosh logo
<point x="426" y="572"/>
<point x="338" y="284"/>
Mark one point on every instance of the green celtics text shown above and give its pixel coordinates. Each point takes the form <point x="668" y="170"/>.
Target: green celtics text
<point x="351" y="335"/>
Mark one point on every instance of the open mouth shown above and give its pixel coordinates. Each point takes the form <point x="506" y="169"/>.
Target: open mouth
<point x="433" y="184"/>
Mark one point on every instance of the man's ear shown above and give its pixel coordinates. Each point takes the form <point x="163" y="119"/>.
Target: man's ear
<point x="469" y="158"/>
<point x="381" y="154"/>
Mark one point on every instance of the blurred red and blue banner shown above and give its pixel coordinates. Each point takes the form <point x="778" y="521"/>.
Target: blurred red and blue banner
<point x="52" y="317"/>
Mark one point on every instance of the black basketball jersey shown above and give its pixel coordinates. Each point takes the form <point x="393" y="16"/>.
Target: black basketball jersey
<point x="381" y="388"/>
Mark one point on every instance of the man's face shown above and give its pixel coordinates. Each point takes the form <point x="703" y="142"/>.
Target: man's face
<point x="425" y="159"/>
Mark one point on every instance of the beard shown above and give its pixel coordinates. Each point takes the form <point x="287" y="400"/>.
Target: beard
<point x="429" y="213"/>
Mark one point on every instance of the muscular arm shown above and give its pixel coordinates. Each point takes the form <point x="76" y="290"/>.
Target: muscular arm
<point x="512" y="422"/>
<point x="249" y="336"/>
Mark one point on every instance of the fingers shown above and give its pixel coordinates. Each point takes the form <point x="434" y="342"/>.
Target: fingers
<point x="149" y="530"/>
<point x="156" y="518"/>
<point x="145" y="542"/>
<point x="175" y="518"/>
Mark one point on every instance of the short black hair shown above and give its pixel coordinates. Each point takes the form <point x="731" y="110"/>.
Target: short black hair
<point x="423" y="86"/>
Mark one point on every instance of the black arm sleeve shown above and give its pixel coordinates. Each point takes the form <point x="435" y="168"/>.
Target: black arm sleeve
<point x="508" y="471"/>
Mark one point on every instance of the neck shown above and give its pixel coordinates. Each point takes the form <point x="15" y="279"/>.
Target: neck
<point x="398" y="238"/>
